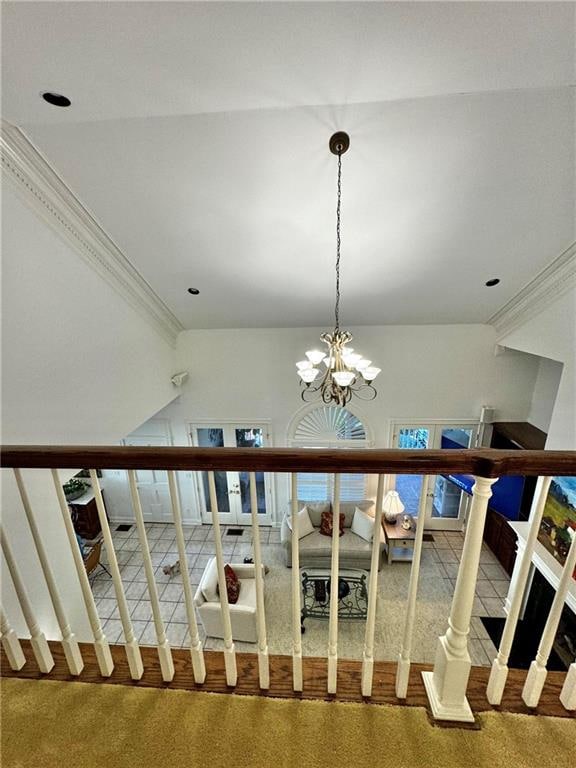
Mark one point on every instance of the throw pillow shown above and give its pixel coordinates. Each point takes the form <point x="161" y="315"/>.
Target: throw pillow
<point x="305" y="526"/>
<point x="232" y="584"/>
<point x="326" y="523"/>
<point x="362" y="525"/>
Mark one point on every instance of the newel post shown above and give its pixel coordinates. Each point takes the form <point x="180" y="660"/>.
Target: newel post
<point x="446" y="684"/>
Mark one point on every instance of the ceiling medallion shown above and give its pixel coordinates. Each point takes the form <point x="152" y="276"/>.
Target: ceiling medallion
<point x="347" y="373"/>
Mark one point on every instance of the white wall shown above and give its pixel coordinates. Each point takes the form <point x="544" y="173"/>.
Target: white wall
<point x="428" y="372"/>
<point x="552" y="334"/>
<point x="79" y="366"/>
<point x="545" y="391"/>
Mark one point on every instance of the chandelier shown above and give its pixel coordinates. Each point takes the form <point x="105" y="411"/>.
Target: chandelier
<point x="346" y="372"/>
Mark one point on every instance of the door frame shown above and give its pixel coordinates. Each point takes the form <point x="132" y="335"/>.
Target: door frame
<point x="430" y="522"/>
<point x="234" y="518"/>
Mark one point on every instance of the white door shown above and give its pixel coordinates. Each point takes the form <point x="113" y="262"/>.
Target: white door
<point x="233" y="488"/>
<point x="447" y="504"/>
<point x="152" y="484"/>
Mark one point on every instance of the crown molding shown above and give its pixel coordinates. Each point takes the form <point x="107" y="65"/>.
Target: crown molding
<point x="557" y="278"/>
<point x="51" y="198"/>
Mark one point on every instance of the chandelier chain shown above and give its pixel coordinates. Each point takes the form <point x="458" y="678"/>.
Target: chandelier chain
<point x="338" y="241"/>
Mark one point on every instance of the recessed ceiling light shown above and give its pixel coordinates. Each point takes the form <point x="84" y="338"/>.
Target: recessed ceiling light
<point x="193" y="291"/>
<point x="494" y="281"/>
<point x="56" y="99"/>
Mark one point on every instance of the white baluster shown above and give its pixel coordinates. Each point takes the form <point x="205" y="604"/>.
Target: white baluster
<point x="163" y="647"/>
<point x="368" y="655"/>
<point x="297" y="679"/>
<point x="11" y="644"/>
<point x="101" y="647"/>
<point x="38" y="641"/>
<point x="403" y="669"/>
<point x="446" y="685"/>
<point x="499" y="672"/>
<point x="334" y="574"/>
<point x="568" y="692"/>
<point x="69" y="642"/>
<point x="196" y="652"/>
<point x="229" y="651"/>
<point x="537" y="673"/>
<point x="131" y="646"/>
<point x="263" y="666"/>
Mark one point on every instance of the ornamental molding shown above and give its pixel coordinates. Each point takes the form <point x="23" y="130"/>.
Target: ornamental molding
<point x="41" y="187"/>
<point x="556" y="279"/>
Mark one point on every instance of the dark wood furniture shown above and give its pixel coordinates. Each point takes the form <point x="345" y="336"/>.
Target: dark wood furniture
<point x="512" y="436"/>
<point x="85" y="516"/>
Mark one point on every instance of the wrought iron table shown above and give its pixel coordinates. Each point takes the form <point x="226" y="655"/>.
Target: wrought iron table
<point x="352" y="590"/>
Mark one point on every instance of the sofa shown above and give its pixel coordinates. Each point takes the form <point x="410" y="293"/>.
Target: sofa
<point x="315" y="549"/>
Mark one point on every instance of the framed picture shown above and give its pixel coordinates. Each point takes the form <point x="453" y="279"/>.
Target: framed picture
<point x="558" y="526"/>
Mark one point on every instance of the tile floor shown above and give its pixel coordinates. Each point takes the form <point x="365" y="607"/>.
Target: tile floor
<point x="163" y="551"/>
<point x="445" y="550"/>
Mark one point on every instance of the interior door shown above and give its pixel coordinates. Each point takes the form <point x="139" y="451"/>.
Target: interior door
<point x="152" y="484"/>
<point x="233" y="488"/>
<point x="447" y="504"/>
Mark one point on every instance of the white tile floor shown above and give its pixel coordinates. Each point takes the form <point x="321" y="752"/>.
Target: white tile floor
<point x="491" y="589"/>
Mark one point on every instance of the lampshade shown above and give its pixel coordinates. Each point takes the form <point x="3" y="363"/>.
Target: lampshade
<point x="392" y="506"/>
<point x="308" y="374"/>
<point x="370" y="373"/>
<point x="343" y="378"/>
<point x="315" y="356"/>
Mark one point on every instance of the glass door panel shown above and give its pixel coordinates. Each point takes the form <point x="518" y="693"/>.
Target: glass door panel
<point x="250" y="438"/>
<point x="213" y="437"/>
<point x="449" y="502"/>
<point x="232" y="488"/>
<point x="410" y="486"/>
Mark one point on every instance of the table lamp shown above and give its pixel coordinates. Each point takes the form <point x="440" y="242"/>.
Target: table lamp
<point x="392" y="507"/>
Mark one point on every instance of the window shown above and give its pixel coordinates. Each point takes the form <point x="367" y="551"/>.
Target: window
<point x="329" y="426"/>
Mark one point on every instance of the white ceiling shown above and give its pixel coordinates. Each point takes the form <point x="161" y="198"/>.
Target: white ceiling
<point x="198" y="139"/>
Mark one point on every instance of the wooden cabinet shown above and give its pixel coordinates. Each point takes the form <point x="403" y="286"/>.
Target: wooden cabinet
<point x="511" y="435"/>
<point x="501" y="539"/>
<point x="85" y="516"/>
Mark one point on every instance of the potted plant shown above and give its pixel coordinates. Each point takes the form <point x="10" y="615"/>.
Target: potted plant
<point x="73" y="489"/>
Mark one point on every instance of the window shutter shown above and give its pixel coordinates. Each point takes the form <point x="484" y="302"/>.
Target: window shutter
<point x="325" y="427"/>
<point x="313" y="486"/>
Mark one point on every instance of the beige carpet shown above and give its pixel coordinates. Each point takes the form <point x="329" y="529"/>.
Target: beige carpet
<point x="81" y="725"/>
<point x="431" y="621"/>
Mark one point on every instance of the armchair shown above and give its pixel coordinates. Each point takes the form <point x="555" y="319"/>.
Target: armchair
<point x="242" y="613"/>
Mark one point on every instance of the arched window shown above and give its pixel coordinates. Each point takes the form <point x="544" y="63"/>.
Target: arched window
<point x="329" y="426"/>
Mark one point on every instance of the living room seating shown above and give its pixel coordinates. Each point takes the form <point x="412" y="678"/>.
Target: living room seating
<point x="315" y="548"/>
<point x="242" y="613"/>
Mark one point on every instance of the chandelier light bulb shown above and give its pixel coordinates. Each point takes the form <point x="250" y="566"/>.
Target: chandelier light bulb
<point x="303" y="365"/>
<point x="363" y="364"/>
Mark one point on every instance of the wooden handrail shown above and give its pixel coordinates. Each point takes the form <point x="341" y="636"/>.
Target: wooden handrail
<point x="485" y="462"/>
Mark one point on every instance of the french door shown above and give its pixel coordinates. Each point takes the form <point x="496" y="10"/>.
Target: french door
<point x="447" y="504"/>
<point x="232" y="488"/>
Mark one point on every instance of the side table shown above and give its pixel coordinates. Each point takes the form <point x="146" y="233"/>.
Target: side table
<point x="399" y="542"/>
